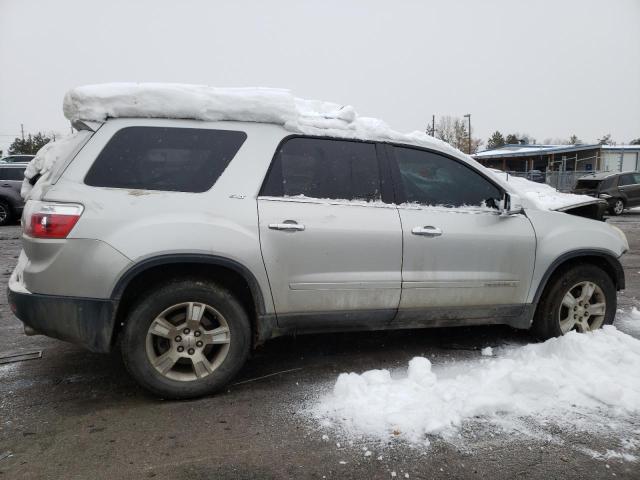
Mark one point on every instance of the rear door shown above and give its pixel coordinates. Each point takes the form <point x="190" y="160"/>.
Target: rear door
<point x="629" y="185"/>
<point x="462" y="259"/>
<point x="331" y="243"/>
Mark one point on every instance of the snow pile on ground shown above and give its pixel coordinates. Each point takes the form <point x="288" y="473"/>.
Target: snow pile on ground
<point x="543" y="195"/>
<point x="553" y="381"/>
<point x="47" y="162"/>
<point x="629" y="322"/>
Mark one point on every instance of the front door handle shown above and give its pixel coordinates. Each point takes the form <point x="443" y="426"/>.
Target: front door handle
<point x="427" y="231"/>
<point x="288" y="226"/>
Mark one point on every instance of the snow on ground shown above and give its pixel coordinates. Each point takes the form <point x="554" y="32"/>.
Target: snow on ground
<point x="629" y="322"/>
<point x="543" y="195"/>
<point x="579" y="382"/>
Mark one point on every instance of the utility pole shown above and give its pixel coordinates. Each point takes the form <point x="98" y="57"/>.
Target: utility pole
<point x="433" y="125"/>
<point x="22" y="131"/>
<point x="468" y="115"/>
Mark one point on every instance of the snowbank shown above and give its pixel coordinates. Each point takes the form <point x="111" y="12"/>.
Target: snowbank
<point x="551" y="381"/>
<point x="541" y="194"/>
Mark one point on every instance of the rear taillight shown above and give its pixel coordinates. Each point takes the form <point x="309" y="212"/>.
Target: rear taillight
<point x="50" y="220"/>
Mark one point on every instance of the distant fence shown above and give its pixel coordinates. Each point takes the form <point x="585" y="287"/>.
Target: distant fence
<point x="563" y="181"/>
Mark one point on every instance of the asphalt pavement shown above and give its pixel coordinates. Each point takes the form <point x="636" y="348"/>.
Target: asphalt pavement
<point x="72" y="414"/>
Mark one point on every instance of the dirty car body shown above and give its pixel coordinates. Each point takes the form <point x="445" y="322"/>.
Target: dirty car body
<point x="306" y="233"/>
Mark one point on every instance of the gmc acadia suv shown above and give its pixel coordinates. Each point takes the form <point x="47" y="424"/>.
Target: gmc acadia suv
<point x="190" y="242"/>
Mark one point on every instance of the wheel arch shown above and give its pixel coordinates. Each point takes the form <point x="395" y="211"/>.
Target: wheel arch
<point x="235" y="276"/>
<point x="602" y="258"/>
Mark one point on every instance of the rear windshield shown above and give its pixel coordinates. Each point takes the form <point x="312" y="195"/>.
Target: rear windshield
<point x="591" y="184"/>
<point x="168" y="159"/>
<point x="11" y="173"/>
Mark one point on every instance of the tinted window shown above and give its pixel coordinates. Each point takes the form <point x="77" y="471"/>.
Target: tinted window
<point x="324" y="168"/>
<point x="625" y="180"/>
<point x="589" y="184"/>
<point x="432" y="179"/>
<point x="608" y="183"/>
<point x="11" y="173"/>
<point x="170" y="159"/>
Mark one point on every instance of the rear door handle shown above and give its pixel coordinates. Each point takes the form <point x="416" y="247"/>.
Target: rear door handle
<point x="427" y="231"/>
<point x="6" y="185"/>
<point x="288" y="226"/>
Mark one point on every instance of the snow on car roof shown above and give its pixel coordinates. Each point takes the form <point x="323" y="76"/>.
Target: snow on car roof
<point x="97" y="103"/>
<point x="256" y="104"/>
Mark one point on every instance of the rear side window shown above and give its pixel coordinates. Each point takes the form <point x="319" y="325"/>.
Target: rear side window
<point x="11" y="173"/>
<point x="608" y="183"/>
<point x="324" y="168"/>
<point x="626" y="179"/>
<point x="432" y="179"/>
<point x="169" y="159"/>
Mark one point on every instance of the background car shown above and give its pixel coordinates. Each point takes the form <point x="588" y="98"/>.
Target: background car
<point x="620" y="190"/>
<point x="11" y="203"/>
<point x="536" y="176"/>
<point x="17" y="158"/>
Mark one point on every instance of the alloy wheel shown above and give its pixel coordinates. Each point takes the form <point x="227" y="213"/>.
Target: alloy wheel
<point x="618" y="207"/>
<point x="3" y="213"/>
<point x="583" y="307"/>
<point x="188" y="341"/>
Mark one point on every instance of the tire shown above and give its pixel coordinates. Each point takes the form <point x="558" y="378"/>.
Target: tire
<point x="617" y="208"/>
<point x="166" y="354"/>
<point x="554" y="317"/>
<point x="6" y="214"/>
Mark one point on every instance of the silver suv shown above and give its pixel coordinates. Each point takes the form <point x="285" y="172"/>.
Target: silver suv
<point x="191" y="242"/>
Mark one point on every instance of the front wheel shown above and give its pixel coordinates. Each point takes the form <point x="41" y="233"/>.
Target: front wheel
<point x="581" y="298"/>
<point x="617" y="207"/>
<point x="186" y="339"/>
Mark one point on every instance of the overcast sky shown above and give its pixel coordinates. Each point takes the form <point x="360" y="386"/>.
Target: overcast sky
<point x="549" y="68"/>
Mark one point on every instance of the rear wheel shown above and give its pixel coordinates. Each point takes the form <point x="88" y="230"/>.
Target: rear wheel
<point x="618" y="207"/>
<point x="6" y="215"/>
<point x="186" y="339"/>
<point x="581" y="298"/>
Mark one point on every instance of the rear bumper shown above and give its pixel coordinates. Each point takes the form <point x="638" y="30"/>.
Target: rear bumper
<point x="85" y="321"/>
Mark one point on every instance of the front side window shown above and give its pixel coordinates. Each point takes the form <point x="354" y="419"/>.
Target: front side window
<point x="161" y="158"/>
<point x="432" y="179"/>
<point x="324" y="168"/>
<point x="607" y="183"/>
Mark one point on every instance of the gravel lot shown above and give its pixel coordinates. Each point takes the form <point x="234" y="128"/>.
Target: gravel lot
<point x="75" y="414"/>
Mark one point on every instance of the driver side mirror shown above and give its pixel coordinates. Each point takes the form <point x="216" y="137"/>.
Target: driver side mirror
<point x="511" y="204"/>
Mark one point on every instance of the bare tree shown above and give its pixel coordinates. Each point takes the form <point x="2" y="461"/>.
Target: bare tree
<point x="454" y="131"/>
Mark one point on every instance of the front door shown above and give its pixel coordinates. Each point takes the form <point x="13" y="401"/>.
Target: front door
<point x="461" y="258"/>
<point x="331" y="246"/>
